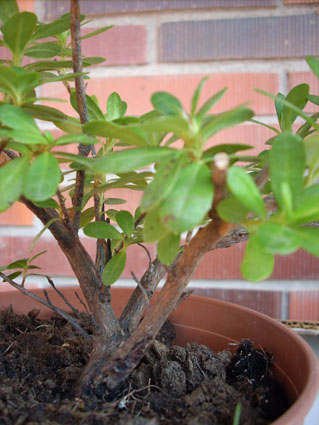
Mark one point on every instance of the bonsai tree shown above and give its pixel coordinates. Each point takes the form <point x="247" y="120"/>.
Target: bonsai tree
<point x="195" y="199"/>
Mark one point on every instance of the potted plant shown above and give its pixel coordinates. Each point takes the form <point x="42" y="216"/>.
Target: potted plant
<point x="194" y="199"/>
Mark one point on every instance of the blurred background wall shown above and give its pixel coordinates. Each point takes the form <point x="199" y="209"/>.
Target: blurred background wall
<point x="170" y="45"/>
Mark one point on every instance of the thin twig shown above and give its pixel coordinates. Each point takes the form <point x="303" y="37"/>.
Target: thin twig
<point x="143" y="290"/>
<point x="147" y="252"/>
<point x="82" y="303"/>
<point x="66" y="316"/>
<point x="75" y="311"/>
<point x="66" y="216"/>
<point x="47" y="304"/>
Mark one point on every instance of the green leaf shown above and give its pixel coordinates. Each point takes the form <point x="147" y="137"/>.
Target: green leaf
<point x="210" y="103"/>
<point x="114" y="131"/>
<point x="130" y="159"/>
<point x="48" y="203"/>
<point x="298" y="97"/>
<point x="126" y="222"/>
<point x="196" y="95"/>
<point x="94" y="111"/>
<point x="18" y="30"/>
<point x="279" y="106"/>
<point x="53" y="28"/>
<point x="306" y="208"/>
<point x="87" y="216"/>
<point x="232" y="210"/>
<point x="43" y="112"/>
<point x="12" y="176"/>
<point x="224" y="120"/>
<point x="309" y="239"/>
<point x="313" y="64"/>
<point x="189" y="200"/>
<point x="276" y="238"/>
<point x="167" y="248"/>
<point x="286" y="165"/>
<point x="116" y="108"/>
<point x="228" y="148"/>
<point x="312" y="151"/>
<point x="18" y="264"/>
<point x="8" y="8"/>
<point x="114" y="201"/>
<point x="42" y="178"/>
<point x="84" y="139"/>
<point x="163" y="182"/>
<point x="167" y="124"/>
<point x="245" y="190"/>
<point x="9" y="81"/>
<point x="43" y="50"/>
<point x="24" y="128"/>
<point x="114" y="268"/>
<point x="96" y="32"/>
<point x="153" y="226"/>
<point x="102" y="230"/>
<point x="257" y="263"/>
<point x="166" y="104"/>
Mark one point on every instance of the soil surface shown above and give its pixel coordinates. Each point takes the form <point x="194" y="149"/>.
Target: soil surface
<point x="41" y="360"/>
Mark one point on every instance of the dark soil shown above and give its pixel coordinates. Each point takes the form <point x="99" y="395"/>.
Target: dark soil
<point x="41" y="360"/>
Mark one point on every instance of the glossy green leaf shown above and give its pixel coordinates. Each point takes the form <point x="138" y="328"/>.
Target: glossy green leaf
<point x="196" y="95"/>
<point x="18" y="30"/>
<point x="96" y="32"/>
<point x="306" y="208"/>
<point x="286" y="165"/>
<point x="102" y="230"/>
<point x="114" y="131"/>
<point x="94" y="111"/>
<point x="167" y="248"/>
<point x="42" y="178"/>
<point x="167" y="124"/>
<point x="298" y="97"/>
<point x="115" y="107"/>
<point x="166" y="104"/>
<point x="309" y="239"/>
<point x="126" y="222"/>
<point x="276" y="238"/>
<point x="228" y="148"/>
<point x="84" y="139"/>
<point x="114" y="268"/>
<point x="153" y="227"/>
<point x="232" y="210"/>
<point x="130" y="159"/>
<point x="43" y="50"/>
<point x="189" y="200"/>
<point x="313" y="99"/>
<point x="314" y="64"/>
<point x="207" y="106"/>
<point x="24" y="127"/>
<point x="311" y="145"/>
<point x="68" y="125"/>
<point x="53" y="28"/>
<point x="18" y="264"/>
<point x="257" y="263"/>
<point x="245" y="190"/>
<point x="163" y="182"/>
<point x="224" y="120"/>
<point x="8" y="8"/>
<point x="12" y="176"/>
<point x="43" y="112"/>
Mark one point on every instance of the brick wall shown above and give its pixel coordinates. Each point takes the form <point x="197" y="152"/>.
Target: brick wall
<point x="170" y="45"/>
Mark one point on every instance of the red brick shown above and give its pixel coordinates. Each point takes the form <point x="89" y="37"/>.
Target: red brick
<point x="296" y="78"/>
<point x="300" y="1"/>
<point x="26" y="5"/>
<point x="267" y="302"/>
<point x="304" y="305"/>
<point x="245" y="38"/>
<point x="17" y="215"/>
<point x="225" y="264"/>
<point x="136" y="91"/>
<point x="121" y="45"/>
<point x="54" y="8"/>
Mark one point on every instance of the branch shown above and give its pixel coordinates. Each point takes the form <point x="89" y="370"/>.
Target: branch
<point x="47" y="304"/>
<point x="82" y="106"/>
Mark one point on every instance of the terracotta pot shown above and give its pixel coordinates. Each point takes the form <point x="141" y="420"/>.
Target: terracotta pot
<point x="217" y="323"/>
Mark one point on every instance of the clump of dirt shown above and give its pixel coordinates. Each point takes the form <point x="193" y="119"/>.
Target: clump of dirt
<point x="41" y="361"/>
